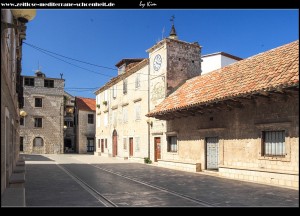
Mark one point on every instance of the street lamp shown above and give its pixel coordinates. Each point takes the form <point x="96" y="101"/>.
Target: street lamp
<point x="22" y="15"/>
<point x="23" y="113"/>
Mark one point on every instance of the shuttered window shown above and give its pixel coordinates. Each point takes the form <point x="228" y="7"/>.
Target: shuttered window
<point x="137" y="144"/>
<point x="273" y="143"/>
<point x="172" y="144"/>
<point x="137" y="111"/>
<point x="105" y="119"/>
<point x="125" y="114"/>
<point x="124" y="143"/>
<point x="114" y="91"/>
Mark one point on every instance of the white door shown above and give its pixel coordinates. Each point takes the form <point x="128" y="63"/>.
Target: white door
<point x="212" y="153"/>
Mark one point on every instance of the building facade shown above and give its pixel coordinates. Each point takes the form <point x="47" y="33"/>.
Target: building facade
<point x="85" y="110"/>
<point x="241" y="120"/>
<point x="69" y="131"/>
<point x="41" y="131"/>
<point x="122" y="129"/>
<point x="121" y="125"/>
<point x="11" y="93"/>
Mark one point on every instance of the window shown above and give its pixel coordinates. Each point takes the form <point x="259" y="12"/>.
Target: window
<point x="137" y="81"/>
<point x="125" y="86"/>
<point x="121" y="69"/>
<point x="172" y="144"/>
<point x="91" y="118"/>
<point x="137" y="107"/>
<point x="105" y="143"/>
<point x="29" y="82"/>
<point x="125" y="115"/>
<point x="69" y="123"/>
<point x="98" y="99"/>
<point x="38" y="122"/>
<point x="22" y="121"/>
<point x="114" y="91"/>
<point x="273" y="143"/>
<point x="38" y="102"/>
<point x="114" y="117"/>
<point x="99" y="143"/>
<point x="21" y="143"/>
<point x="98" y="121"/>
<point x="105" y="95"/>
<point x="106" y="119"/>
<point x="49" y="83"/>
<point x="124" y="143"/>
<point x="38" y="142"/>
<point x="137" y="144"/>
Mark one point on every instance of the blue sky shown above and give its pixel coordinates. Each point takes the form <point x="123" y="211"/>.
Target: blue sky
<point x="104" y="37"/>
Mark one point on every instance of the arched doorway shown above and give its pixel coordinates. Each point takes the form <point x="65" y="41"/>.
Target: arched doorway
<point x="115" y="143"/>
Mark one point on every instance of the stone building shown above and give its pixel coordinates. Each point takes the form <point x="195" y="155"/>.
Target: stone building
<point x="122" y="129"/>
<point x="41" y="131"/>
<point x="85" y="110"/>
<point x="69" y="131"/>
<point x="241" y="120"/>
<point x="13" y="32"/>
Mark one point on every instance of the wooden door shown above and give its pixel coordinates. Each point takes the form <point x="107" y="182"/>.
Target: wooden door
<point x="115" y="144"/>
<point x="102" y="145"/>
<point x="156" y="148"/>
<point x="130" y="146"/>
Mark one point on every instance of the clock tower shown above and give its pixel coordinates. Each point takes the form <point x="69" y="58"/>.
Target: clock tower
<point x="171" y="63"/>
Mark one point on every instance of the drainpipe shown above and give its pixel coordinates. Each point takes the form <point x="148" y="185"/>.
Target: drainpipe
<point x="149" y="107"/>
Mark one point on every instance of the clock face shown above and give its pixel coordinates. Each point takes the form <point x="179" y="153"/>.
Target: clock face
<point x="157" y="62"/>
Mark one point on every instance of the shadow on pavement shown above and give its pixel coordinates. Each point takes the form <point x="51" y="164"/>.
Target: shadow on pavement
<point x="28" y="157"/>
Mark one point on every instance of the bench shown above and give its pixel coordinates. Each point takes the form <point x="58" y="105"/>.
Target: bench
<point x="13" y="197"/>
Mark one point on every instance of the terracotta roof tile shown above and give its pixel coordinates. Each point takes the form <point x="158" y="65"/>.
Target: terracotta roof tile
<point x="265" y="71"/>
<point x="86" y="104"/>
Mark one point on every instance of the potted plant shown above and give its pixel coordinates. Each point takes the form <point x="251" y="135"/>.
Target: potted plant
<point x="105" y="103"/>
<point x="98" y="105"/>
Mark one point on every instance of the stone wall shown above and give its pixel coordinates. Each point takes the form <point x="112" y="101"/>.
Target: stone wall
<point x="52" y="114"/>
<point x="240" y="140"/>
<point x="11" y="55"/>
<point x="84" y="131"/>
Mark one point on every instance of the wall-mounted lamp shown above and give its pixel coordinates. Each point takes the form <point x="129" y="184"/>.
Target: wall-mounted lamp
<point x="149" y="122"/>
<point x="22" y="15"/>
<point x="65" y="127"/>
<point x="23" y="113"/>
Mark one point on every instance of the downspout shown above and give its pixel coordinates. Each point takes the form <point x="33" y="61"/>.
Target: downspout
<point x="149" y="107"/>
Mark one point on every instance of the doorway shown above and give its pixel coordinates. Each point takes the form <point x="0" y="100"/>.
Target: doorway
<point x="157" y="149"/>
<point x="130" y="147"/>
<point x="212" y="153"/>
<point x="102" y="145"/>
<point x="115" y="144"/>
<point x="90" y="145"/>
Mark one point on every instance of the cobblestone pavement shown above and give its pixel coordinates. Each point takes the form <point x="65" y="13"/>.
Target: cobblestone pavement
<point x="86" y="180"/>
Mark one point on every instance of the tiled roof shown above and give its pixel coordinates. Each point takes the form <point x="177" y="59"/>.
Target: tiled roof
<point x="266" y="71"/>
<point x="86" y="104"/>
<point x="128" y="61"/>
